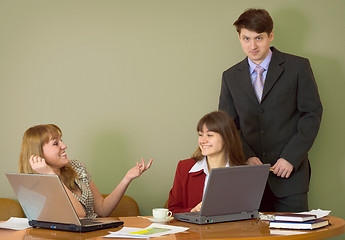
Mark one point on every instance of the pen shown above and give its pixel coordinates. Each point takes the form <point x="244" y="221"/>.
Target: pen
<point x="271" y="169"/>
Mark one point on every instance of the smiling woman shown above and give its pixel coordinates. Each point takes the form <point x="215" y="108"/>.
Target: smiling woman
<point x="219" y="146"/>
<point x="55" y="155"/>
<point x="43" y="152"/>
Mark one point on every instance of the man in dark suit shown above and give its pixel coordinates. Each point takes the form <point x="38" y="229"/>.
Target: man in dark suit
<point x="280" y="121"/>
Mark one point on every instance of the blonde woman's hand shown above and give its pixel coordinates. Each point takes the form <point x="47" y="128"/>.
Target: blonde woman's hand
<point x="139" y="169"/>
<point x="39" y="165"/>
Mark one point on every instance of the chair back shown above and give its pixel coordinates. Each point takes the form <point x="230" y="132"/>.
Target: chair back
<point x="10" y="208"/>
<point x="125" y="208"/>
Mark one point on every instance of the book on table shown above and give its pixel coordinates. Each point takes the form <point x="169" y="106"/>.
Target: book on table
<point x="307" y="225"/>
<point x="294" y="217"/>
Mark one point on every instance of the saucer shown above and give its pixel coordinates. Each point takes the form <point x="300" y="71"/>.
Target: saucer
<point x="154" y="220"/>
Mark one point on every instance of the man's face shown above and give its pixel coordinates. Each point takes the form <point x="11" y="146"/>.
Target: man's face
<point x="255" y="45"/>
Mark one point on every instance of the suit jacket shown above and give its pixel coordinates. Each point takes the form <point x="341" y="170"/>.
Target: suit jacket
<point x="188" y="188"/>
<point x="285" y="123"/>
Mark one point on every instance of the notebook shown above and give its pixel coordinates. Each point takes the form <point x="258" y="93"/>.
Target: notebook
<point x="47" y="205"/>
<point x="231" y="194"/>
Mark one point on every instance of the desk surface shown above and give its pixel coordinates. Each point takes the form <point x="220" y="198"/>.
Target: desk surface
<point x="245" y="230"/>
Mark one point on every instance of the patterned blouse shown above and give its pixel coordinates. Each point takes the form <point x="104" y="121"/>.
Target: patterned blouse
<point x="83" y="181"/>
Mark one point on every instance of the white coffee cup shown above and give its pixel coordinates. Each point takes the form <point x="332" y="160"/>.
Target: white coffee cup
<point x="161" y="213"/>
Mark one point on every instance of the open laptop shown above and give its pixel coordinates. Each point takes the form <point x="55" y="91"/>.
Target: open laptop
<point x="232" y="193"/>
<point x="47" y="205"/>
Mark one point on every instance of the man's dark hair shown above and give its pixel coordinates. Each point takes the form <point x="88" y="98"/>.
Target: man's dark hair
<point x="256" y="20"/>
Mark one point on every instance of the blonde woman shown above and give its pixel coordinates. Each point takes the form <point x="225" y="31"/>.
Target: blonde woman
<point x="43" y="152"/>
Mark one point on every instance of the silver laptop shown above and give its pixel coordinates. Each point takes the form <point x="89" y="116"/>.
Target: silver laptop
<point x="47" y="205"/>
<point x="231" y="194"/>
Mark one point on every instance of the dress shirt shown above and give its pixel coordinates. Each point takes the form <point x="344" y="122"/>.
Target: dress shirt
<point x="265" y="63"/>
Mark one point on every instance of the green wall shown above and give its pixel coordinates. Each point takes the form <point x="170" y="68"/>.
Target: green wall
<point x="126" y="79"/>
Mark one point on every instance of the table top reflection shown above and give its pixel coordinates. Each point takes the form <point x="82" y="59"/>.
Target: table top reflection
<point x="252" y="229"/>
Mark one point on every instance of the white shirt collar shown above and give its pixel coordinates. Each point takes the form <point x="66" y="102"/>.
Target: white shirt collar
<point x="202" y="165"/>
<point x="265" y="63"/>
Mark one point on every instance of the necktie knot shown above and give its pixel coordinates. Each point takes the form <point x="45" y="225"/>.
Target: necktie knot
<point x="259" y="70"/>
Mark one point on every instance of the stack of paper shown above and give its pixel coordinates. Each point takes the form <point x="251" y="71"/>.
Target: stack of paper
<point x="154" y="230"/>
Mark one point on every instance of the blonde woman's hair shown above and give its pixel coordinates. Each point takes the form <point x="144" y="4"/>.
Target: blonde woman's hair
<point x="33" y="140"/>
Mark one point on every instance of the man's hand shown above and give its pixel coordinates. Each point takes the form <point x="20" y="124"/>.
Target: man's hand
<point x="282" y="168"/>
<point x="254" y="161"/>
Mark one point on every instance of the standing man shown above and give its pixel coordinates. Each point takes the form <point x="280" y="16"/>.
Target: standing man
<point x="273" y="99"/>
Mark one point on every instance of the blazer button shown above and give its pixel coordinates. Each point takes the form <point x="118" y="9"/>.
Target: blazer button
<point x="264" y="154"/>
<point x="262" y="132"/>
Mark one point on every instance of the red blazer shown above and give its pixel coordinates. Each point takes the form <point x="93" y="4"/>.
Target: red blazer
<point x="188" y="188"/>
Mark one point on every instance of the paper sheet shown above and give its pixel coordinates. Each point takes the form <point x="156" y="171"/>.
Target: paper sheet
<point x="154" y="230"/>
<point x="15" y="223"/>
<point x="318" y="212"/>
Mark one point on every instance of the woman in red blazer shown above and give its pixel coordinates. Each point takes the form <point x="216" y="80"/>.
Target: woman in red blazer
<point x="219" y="146"/>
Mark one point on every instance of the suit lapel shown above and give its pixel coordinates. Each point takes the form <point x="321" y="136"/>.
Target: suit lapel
<point x="274" y="72"/>
<point x="245" y="81"/>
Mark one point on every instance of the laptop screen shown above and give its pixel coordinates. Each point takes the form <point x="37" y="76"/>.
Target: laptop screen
<point x="234" y="189"/>
<point x="43" y="198"/>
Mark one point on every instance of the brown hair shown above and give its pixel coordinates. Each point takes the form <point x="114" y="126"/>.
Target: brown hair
<point x="257" y="20"/>
<point x="221" y="123"/>
<point x="33" y="140"/>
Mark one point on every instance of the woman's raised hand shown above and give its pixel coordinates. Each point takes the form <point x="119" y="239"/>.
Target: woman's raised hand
<point x="39" y="165"/>
<point x="139" y="169"/>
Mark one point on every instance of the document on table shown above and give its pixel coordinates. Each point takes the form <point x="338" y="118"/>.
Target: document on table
<point x="318" y="212"/>
<point x="154" y="230"/>
<point x="15" y="223"/>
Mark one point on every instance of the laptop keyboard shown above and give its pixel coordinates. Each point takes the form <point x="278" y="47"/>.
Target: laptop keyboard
<point x="89" y="221"/>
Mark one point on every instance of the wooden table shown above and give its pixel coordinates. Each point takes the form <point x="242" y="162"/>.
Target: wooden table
<point x="245" y="230"/>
